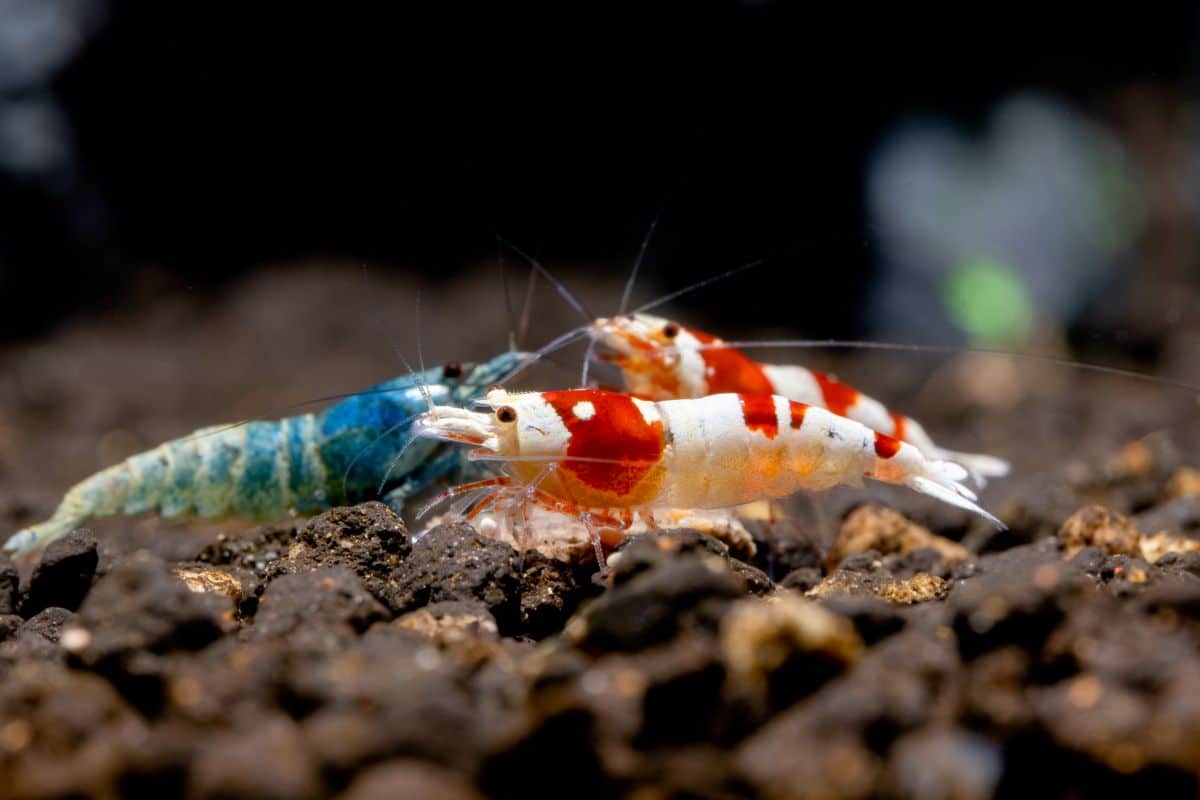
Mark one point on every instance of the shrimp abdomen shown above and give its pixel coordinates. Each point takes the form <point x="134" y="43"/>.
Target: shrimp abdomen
<point x="241" y="470"/>
<point x="730" y="449"/>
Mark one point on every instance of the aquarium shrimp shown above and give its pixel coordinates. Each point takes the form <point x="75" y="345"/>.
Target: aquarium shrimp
<point x="606" y="457"/>
<point x="355" y="450"/>
<point x="661" y="359"/>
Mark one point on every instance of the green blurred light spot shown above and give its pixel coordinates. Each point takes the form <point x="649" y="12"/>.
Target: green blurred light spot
<point x="987" y="299"/>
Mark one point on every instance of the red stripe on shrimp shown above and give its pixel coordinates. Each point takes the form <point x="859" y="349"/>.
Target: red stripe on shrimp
<point x="609" y="426"/>
<point x="758" y="411"/>
<point x="798" y="410"/>
<point x="728" y="370"/>
<point x="838" y="396"/>
<point x="898" y="424"/>
<point x="886" y="446"/>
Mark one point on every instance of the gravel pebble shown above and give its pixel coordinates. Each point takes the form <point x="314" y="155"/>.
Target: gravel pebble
<point x="63" y="575"/>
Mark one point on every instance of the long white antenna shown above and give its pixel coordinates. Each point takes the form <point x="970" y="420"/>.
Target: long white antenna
<point x="637" y="263"/>
<point x="563" y="291"/>
<point x="863" y="344"/>
<point x="699" y="285"/>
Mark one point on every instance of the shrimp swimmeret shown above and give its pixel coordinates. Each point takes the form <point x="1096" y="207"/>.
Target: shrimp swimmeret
<point x="607" y="456"/>
<point x="661" y="359"/>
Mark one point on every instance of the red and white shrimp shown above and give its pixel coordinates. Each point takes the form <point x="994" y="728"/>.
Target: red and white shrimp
<point x="661" y="359"/>
<point x="608" y="456"/>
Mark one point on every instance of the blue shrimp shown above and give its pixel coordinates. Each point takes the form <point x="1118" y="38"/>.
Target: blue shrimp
<point x="356" y="450"/>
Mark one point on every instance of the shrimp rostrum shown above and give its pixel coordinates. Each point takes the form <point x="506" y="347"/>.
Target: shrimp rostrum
<point x="607" y="456"/>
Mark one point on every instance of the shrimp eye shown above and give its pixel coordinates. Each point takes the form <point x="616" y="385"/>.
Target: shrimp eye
<point x="506" y="414"/>
<point x="452" y="369"/>
<point x="670" y="330"/>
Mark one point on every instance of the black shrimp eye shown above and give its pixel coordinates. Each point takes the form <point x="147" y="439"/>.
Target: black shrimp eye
<point x="506" y="414"/>
<point x="452" y="369"/>
<point x="670" y="330"/>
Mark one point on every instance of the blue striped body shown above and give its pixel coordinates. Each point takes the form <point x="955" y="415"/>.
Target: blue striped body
<point x="260" y="470"/>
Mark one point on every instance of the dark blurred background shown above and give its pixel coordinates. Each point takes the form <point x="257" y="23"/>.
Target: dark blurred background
<point x="975" y="176"/>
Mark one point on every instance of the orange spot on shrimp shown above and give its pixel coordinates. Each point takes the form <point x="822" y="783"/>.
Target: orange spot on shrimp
<point x="727" y="369"/>
<point x="758" y="411"/>
<point x="838" y="396"/>
<point x="798" y="411"/>
<point x="886" y="446"/>
<point x="898" y="421"/>
<point x="626" y="446"/>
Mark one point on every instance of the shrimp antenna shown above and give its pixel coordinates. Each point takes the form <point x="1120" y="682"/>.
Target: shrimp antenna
<point x="387" y="432"/>
<point x="392" y="339"/>
<point x="285" y="410"/>
<point x="862" y="344"/>
<point x="417" y="320"/>
<point x="558" y="342"/>
<point x="518" y="326"/>
<point x="330" y="398"/>
<point x="509" y="316"/>
<point x="637" y="265"/>
<point x="529" y="360"/>
<point x="527" y="305"/>
<point x="419" y="379"/>
<point x="699" y="285"/>
<point x="392" y="464"/>
<point x="587" y="360"/>
<point x="571" y="335"/>
<point x="561" y="287"/>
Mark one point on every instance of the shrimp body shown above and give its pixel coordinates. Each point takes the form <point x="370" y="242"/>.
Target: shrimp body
<point x="612" y="451"/>
<point x="661" y="359"/>
<point x="263" y="469"/>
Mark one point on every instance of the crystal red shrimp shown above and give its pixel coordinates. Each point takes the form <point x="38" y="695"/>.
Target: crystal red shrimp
<point x="661" y="359"/>
<point x="608" y="456"/>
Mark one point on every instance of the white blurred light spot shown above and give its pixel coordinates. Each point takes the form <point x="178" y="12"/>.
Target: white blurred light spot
<point x="37" y="37"/>
<point x="34" y="136"/>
